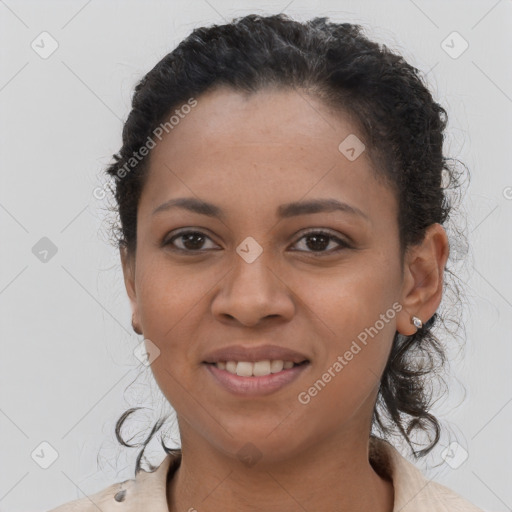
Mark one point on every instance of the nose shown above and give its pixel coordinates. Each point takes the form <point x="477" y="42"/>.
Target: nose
<point x="253" y="293"/>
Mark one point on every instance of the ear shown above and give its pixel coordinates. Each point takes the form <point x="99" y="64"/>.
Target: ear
<point x="128" y="264"/>
<point x="422" y="288"/>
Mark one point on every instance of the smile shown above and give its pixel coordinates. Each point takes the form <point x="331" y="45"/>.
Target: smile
<point x="255" y="379"/>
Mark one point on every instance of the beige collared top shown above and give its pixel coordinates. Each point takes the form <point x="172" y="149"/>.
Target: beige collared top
<point x="147" y="491"/>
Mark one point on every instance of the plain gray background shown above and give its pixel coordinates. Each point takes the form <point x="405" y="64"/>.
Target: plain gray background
<point x="67" y="368"/>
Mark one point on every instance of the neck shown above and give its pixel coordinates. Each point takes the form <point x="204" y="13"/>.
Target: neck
<point x="336" y="476"/>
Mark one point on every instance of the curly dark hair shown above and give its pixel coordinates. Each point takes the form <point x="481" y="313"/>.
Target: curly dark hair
<point x="403" y="128"/>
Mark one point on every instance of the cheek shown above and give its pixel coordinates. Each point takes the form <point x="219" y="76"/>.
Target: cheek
<point x="351" y="298"/>
<point x="345" y="379"/>
<point x="170" y="310"/>
<point x="169" y="302"/>
<point x="166" y="295"/>
<point x="357" y="309"/>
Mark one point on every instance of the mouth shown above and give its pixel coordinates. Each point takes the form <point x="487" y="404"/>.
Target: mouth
<point x="256" y="369"/>
<point x="252" y="379"/>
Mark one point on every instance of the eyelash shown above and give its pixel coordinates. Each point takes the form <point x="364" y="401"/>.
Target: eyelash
<point x="342" y="243"/>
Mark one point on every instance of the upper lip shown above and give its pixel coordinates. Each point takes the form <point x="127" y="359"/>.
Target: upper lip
<point x="254" y="353"/>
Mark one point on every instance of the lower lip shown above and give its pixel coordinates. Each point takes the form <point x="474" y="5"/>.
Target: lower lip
<point x="255" y="386"/>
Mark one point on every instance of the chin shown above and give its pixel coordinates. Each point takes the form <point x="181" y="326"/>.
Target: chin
<point x="260" y="445"/>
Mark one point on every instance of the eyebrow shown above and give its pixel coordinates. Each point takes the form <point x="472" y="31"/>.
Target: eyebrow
<point x="284" y="211"/>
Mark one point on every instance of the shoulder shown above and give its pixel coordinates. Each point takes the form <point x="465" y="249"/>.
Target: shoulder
<point x="448" y="498"/>
<point x="414" y="492"/>
<point x="104" y="500"/>
<point x="148" y="490"/>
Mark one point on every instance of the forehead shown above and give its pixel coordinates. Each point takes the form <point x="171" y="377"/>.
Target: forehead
<point x="275" y="144"/>
<point x="271" y="116"/>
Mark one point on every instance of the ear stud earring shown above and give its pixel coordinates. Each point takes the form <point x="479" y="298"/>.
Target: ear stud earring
<point x="417" y="322"/>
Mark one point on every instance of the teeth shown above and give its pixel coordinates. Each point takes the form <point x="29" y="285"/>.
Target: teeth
<point x="257" y="369"/>
<point x="244" y="369"/>
<point x="276" y="366"/>
<point x="261" y="368"/>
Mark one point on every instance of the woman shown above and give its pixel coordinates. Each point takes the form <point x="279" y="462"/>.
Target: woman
<point x="282" y="201"/>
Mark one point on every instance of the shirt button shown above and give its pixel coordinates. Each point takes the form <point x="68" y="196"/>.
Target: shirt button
<point x="121" y="495"/>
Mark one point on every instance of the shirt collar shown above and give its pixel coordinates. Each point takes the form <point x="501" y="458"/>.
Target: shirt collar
<point x="413" y="492"/>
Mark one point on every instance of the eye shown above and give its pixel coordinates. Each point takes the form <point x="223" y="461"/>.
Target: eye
<point x="319" y="240"/>
<point x="316" y="240"/>
<point x="191" y="241"/>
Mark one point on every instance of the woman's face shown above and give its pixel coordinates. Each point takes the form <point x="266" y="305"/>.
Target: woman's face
<point x="252" y="278"/>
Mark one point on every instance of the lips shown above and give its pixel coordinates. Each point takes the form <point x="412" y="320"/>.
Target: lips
<point x="254" y="354"/>
<point x="255" y="386"/>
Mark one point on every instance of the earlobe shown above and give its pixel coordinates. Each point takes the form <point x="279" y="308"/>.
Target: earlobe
<point x="135" y="325"/>
<point x="423" y="280"/>
<point x="128" y="265"/>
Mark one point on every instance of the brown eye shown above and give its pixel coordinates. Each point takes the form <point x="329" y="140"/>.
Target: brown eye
<point x="319" y="241"/>
<point x="189" y="241"/>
